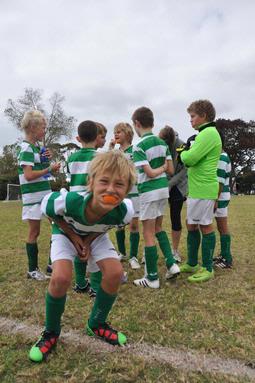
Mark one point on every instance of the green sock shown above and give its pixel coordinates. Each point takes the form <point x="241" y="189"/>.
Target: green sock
<point x="32" y="254"/>
<point x="134" y="239"/>
<point x="95" y="280"/>
<point x="80" y="272"/>
<point x="151" y="258"/>
<point x="208" y="246"/>
<point x="54" y="310"/>
<point x="225" y="242"/>
<point x="165" y="247"/>
<point x="120" y="236"/>
<point x="102" y="306"/>
<point x="193" y="243"/>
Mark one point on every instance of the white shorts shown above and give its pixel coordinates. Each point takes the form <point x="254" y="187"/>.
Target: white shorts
<point x="101" y="248"/>
<point x="221" y="212"/>
<point x="200" y="211"/>
<point x="32" y="212"/>
<point x="136" y="206"/>
<point x="152" y="210"/>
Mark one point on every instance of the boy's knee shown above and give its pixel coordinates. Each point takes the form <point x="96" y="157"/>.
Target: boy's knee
<point x="114" y="274"/>
<point x="60" y="282"/>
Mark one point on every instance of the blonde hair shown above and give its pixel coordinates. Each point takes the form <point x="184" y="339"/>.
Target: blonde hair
<point x="101" y="129"/>
<point x="33" y="117"/>
<point x="117" y="163"/>
<point x="126" y="128"/>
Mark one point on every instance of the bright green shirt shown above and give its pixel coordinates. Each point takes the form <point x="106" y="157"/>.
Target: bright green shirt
<point x="202" y="161"/>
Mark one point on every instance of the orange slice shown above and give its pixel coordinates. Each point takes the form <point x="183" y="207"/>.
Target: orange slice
<point x="110" y="199"/>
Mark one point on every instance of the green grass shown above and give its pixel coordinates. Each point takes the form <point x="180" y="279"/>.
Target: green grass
<point x="215" y="318"/>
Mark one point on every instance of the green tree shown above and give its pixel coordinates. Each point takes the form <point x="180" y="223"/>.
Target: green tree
<point x="239" y="137"/>
<point x="59" y="123"/>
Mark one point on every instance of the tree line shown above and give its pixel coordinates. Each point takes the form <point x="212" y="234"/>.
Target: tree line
<point x="239" y="141"/>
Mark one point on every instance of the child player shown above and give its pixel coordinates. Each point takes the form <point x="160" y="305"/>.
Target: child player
<point x="153" y="160"/>
<point x="203" y="187"/>
<point x="80" y="228"/>
<point x="123" y="135"/>
<point x="78" y="165"/>
<point x="224" y="261"/>
<point x="34" y="184"/>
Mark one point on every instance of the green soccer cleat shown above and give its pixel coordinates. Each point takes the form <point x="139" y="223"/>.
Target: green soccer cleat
<point x="43" y="346"/>
<point x="202" y="275"/>
<point x="186" y="268"/>
<point x="107" y="334"/>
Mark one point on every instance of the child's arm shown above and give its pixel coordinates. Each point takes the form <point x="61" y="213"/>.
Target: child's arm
<point x="31" y="174"/>
<point x="152" y="173"/>
<point x="170" y="167"/>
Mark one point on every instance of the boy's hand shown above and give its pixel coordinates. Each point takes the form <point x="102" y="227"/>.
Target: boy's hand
<point x="112" y="144"/>
<point x="78" y="243"/>
<point x="55" y="167"/>
<point x="48" y="154"/>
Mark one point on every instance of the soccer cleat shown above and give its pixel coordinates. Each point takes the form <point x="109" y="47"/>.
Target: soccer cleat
<point x="124" y="278"/>
<point x="134" y="263"/>
<point x="202" y="275"/>
<point x="49" y="269"/>
<point x="123" y="257"/>
<point x="37" y="275"/>
<point x="145" y="282"/>
<point x="107" y="334"/>
<point x="85" y="290"/>
<point x="222" y="263"/>
<point x="186" y="268"/>
<point x="43" y="346"/>
<point x="177" y="256"/>
<point x="173" y="271"/>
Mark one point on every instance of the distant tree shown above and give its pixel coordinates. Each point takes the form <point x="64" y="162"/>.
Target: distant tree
<point x="246" y="182"/>
<point x="239" y="139"/>
<point x="59" y="124"/>
<point x="8" y="160"/>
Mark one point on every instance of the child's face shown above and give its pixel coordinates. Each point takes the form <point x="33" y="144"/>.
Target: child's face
<point x="120" y="137"/>
<point x="100" y="140"/>
<point x="197" y="120"/>
<point x="39" y="130"/>
<point x="108" y="184"/>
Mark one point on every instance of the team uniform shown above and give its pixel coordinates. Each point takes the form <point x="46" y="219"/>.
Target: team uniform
<point x="223" y="173"/>
<point x="32" y="194"/>
<point x="201" y="160"/>
<point x="133" y="194"/>
<point x="78" y="167"/>
<point x="224" y="169"/>
<point x="32" y="191"/>
<point x="153" y="196"/>
<point x="70" y="206"/>
<point x="153" y="192"/>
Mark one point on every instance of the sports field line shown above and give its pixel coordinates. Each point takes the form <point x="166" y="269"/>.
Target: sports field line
<point x="189" y="360"/>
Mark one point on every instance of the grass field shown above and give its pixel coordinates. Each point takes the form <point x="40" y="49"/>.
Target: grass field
<point x="214" y="318"/>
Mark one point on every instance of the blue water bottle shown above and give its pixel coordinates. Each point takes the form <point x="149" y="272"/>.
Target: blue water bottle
<point x="44" y="161"/>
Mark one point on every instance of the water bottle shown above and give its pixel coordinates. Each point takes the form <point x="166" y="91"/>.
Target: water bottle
<point x="44" y="161"/>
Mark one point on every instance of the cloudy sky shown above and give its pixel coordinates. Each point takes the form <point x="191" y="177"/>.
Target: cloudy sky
<point x="108" y="57"/>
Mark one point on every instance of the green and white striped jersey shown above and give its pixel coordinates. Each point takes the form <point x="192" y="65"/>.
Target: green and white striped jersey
<point x="223" y="173"/>
<point x="71" y="207"/>
<point x="32" y="191"/>
<point x="153" y="151"/>
<point x="78" y="167"/>
<point x="129" y="155"/>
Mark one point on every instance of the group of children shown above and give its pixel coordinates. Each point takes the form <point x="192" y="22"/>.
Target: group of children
<point x="111" y="190"/>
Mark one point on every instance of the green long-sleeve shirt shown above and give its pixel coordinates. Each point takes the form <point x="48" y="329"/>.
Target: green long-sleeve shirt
<point x="202" y="160"/>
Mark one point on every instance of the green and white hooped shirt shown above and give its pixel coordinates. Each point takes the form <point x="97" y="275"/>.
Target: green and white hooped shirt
<point x="223" y="173"/>
<point x="78" y="167"/>
<point x="129" y="155"/>
<point x="32" y="191"/>
<point x="71" y="207"/>
<point x="153" y="151"/>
